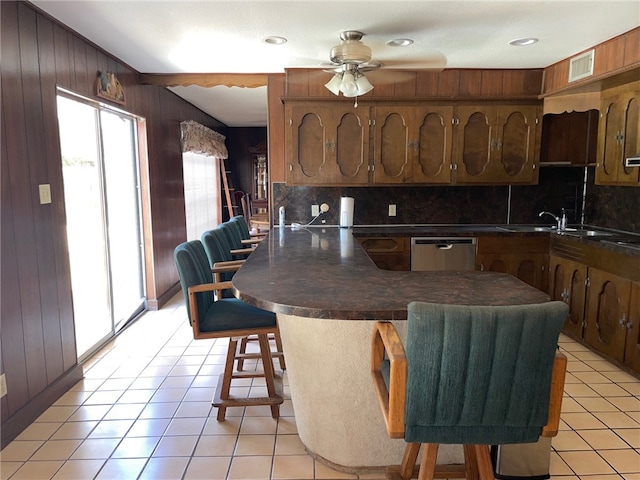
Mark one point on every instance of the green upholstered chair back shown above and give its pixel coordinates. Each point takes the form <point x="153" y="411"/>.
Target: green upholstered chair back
<point x="241" y="225"/>
<point x="217" y="247"/>
<point x="193" y="269"/>
<point x="479" y="375"/>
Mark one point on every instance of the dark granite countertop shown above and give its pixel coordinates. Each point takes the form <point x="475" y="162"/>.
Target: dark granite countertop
<point x="323" y="272"/>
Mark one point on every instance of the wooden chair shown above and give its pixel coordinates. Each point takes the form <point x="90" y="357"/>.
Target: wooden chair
<point x="256" y="223"/>
<point x="214" y="316"/>
<point x="223" y="267"/>
<point x="475" y="376"/>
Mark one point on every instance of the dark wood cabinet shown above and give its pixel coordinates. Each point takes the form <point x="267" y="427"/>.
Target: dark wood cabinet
<point x="412" y="144"/>
<point x="569" y="138"/>
<point x="567" y="283"/>
<point x="607" y="313"/>
<point x="632" y="343"/>
<point x="327" y="145"/>
<point x="526" y="258"/>
<point x="496" y="144"/>
<point x="619" y="136"/>
<point x="388" y="253"/>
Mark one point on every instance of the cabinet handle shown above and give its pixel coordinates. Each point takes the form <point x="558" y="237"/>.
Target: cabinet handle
<point x="565" y="295"/>
<point x="499" y="145"/>
<point x="493" y="145"/>
<point x="623" y="320"/>
<point x="629" y="325"/>
<point x="482" y="267"/>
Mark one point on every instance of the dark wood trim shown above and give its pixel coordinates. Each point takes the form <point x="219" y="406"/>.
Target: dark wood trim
<point x="244" y="80"/>
<point x="15" y="424"/>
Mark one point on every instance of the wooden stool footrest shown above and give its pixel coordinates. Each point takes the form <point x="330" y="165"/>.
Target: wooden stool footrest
<point x="233" y="401"/>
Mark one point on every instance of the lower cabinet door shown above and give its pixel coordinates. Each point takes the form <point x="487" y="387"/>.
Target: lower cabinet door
<point x="607" y="313"/>
<point x="567" y="283"/>
<point x="632" y="350"/>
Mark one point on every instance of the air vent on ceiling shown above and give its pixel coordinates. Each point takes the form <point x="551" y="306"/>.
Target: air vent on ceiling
<point x="581" y="66"/>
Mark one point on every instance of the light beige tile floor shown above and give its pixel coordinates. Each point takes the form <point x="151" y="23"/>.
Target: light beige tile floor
<point x="143" y="411"/>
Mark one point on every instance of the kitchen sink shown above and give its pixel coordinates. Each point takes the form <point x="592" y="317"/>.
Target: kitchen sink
<point x="524" y="228"/>
<point x="580" y="232"/>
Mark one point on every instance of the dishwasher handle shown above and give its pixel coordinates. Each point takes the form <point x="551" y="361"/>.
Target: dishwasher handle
<point x="444" y="246"/>
<point x="447" y="242"/>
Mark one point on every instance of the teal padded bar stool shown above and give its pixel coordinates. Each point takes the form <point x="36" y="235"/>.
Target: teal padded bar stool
<point x="470" y="375"/>
<point x="226" y="317"/>
<point x="223" y="266"/>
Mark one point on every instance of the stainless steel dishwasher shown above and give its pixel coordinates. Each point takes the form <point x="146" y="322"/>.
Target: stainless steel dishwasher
<point x="443" y="253"/>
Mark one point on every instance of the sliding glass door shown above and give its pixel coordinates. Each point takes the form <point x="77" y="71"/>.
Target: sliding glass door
<point x="102" y="202"/>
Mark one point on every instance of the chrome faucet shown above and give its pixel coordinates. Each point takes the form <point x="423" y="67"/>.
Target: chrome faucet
<point x="561" y="222"/>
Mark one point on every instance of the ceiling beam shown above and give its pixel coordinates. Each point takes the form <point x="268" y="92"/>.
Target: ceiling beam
<point x="243" y="80"/>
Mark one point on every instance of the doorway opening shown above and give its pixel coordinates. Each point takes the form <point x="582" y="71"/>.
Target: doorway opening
<point x="100" y="165"/>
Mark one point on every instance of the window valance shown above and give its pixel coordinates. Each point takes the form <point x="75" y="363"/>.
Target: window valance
<point x="197" y="138"/>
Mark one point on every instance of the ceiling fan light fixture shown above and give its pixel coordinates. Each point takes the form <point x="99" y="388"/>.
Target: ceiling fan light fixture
<point x="350" y="50"/>
<point x="349" y="88"/>
<point x="363" y="84"/>
<point x="334" y="84"/>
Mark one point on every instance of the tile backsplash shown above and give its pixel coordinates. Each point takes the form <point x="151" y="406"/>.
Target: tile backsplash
<point x="559" y="187"/>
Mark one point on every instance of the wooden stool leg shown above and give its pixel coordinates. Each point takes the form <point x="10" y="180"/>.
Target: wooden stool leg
<point x="267" y="365"/>
<point x="428" y="461"/>
<point x="243" y="349"/>
<point x="227" y="375"/>
<point x="409" y="459"/>
<point x="485" y="467"/>
<point x="283" y="366"/>
<point x="471" y="462"/>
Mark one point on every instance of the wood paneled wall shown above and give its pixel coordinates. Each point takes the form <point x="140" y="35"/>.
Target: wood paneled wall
<point x="615" y="56"/>
<point x="37" y="338"/>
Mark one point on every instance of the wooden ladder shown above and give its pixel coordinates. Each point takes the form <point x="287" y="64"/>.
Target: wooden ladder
<point x="228" y="188"/>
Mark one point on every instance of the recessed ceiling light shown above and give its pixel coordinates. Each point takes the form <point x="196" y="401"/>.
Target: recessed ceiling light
<point x="523" y="42"/>
<point x="273" y="40"/>
<point x="400" y="42"/>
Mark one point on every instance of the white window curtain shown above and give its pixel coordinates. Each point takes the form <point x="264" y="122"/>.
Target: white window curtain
<point x="202" y="150"/>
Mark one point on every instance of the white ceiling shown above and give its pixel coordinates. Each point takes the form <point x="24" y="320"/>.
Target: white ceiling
<point x="226" y="36"/>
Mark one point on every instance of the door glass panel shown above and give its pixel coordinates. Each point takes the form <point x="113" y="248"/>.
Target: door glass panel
<point x="84" y="208"/>
<point x="123" y="220"/>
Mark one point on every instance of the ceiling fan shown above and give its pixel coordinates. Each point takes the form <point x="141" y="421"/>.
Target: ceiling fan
<point x="351" y="58"/>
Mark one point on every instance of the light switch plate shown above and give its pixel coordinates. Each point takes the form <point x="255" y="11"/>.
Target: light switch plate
<point x="392" y="210"/>
<point x="3" y="385"/>
<point x="45" y="193"/>
<point x="315" y="210"/>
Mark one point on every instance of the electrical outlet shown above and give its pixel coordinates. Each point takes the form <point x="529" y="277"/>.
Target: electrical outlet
<point x="45" y="193"/>
<point x="315" y="210"/>
<point x="3" y="385"/>
<point x="392" y="210"/>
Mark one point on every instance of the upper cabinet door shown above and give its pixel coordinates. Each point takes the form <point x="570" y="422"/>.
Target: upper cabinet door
<point x="393" y="147"/>
<point x="432" y="150"/>
<point x="475" y="143"/>
<point x="619" y="137"/>
<point x="327" y="145"/>
<point x="497" y="144"/>
<point x="351" y="151"/>
<point x="307" y="146"/>
<point x="412" y="144"/>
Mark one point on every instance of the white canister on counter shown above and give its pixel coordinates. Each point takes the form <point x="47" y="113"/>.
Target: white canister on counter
<point x="281" y="216"/>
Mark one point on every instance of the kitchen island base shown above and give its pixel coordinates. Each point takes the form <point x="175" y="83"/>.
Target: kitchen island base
<point x="337" y="412"/>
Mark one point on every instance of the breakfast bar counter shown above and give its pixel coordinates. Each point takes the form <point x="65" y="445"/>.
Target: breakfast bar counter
<point x="327" y="294"/>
